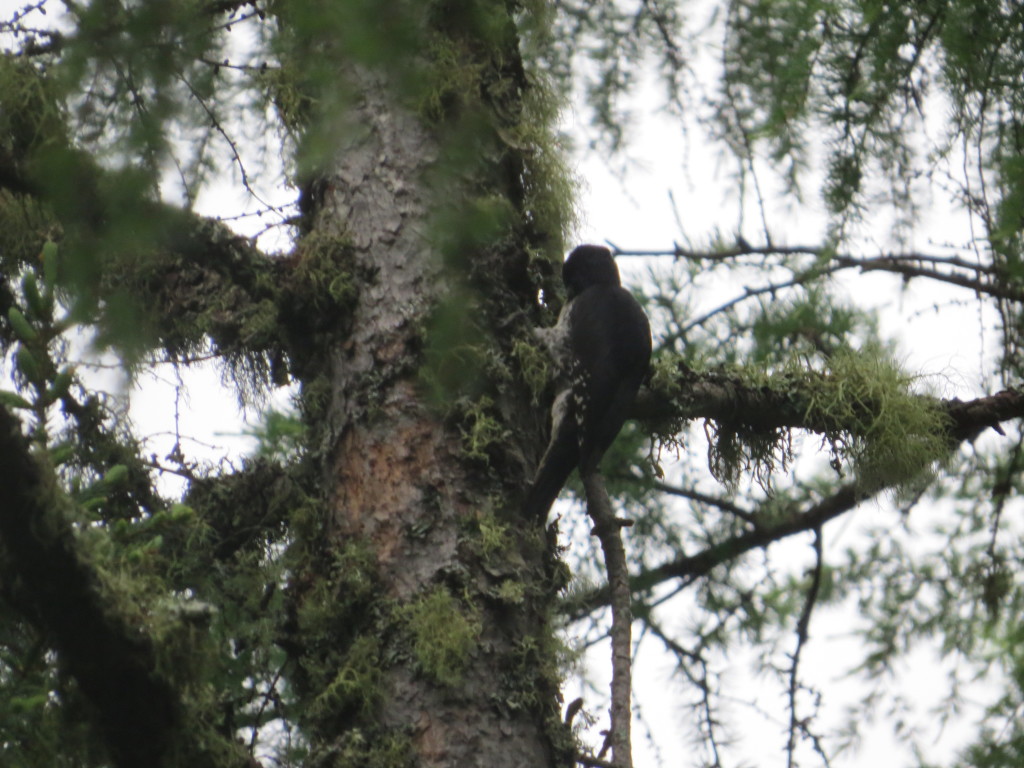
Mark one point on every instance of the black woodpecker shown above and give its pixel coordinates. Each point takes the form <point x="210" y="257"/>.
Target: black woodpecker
<point x="601" y="346"/>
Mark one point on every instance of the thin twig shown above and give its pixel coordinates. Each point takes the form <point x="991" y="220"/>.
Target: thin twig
<point x="686" y="658"/>
<point x="703" y="498"/>
<point x="688" y="493"/>
<point x="153" y="464"/>
<point x="266" y="699"/>
<point x="802" y="626"/>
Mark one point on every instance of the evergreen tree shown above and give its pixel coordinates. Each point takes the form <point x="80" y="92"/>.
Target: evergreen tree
<point x="364" y="591"/>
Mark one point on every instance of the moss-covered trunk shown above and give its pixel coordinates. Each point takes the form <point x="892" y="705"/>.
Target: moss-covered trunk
<point x="420" y="604"/>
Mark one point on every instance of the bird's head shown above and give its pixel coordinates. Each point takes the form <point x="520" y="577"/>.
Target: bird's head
<point x="589" y="265"/>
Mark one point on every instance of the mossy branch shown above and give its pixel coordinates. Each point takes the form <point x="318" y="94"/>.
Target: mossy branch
<point x="151" y="275"/>
<point x="731" y="397"/>
<point x="113" y="666"/>
<point x="113" y="661"/>
<point x="864" y="408"/>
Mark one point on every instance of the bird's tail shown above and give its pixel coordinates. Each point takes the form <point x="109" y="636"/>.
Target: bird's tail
<point x="555" y="467"/>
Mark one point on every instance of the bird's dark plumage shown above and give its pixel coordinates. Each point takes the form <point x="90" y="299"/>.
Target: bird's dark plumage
<point x="602" y="345"/>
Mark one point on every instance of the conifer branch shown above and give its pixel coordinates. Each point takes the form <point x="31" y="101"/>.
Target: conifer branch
<point x="981" y="278"/>
<point x="113" y="664"/>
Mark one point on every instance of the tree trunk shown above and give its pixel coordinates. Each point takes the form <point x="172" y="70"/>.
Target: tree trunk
<point x="419" y="612"/>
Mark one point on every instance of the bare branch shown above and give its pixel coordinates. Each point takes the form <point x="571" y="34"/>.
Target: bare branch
<point x="796" y="724"/>
<point x="703" y="498"/>
<point x="608" y="530"/>
<point x="689" y="568"/>
<point x="984" y="279"/>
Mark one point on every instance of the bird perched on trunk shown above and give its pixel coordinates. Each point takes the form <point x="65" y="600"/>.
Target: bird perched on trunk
<point x="601" y="346"/>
